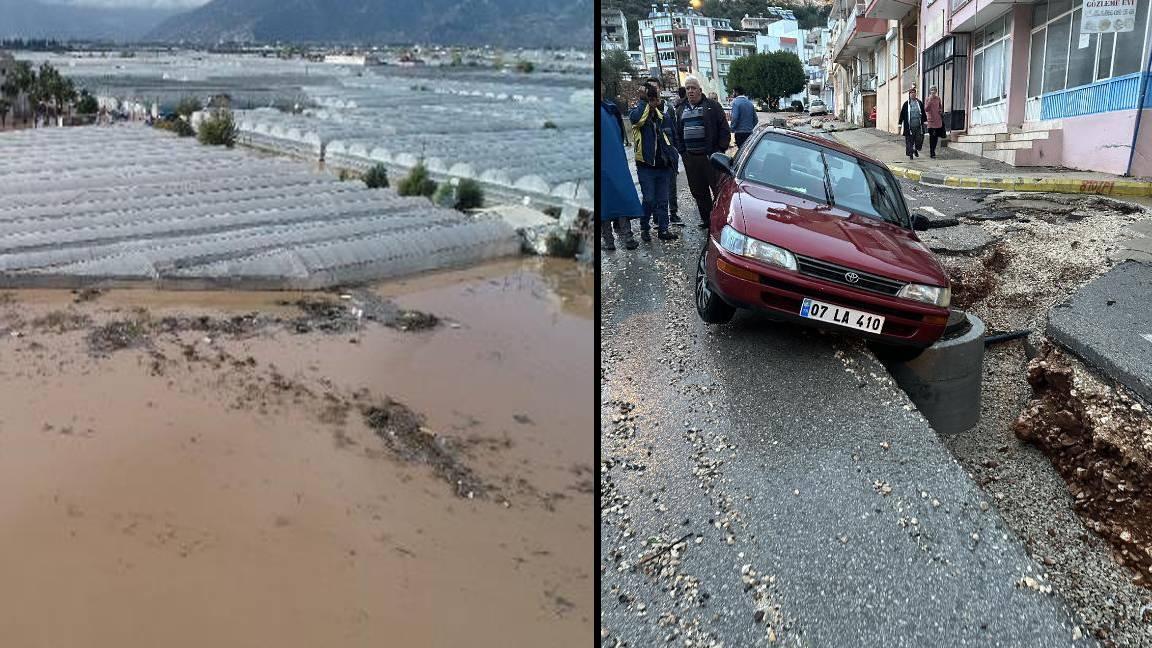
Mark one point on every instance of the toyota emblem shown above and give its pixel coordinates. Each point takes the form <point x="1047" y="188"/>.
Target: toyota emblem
<point x="851" y="277"/>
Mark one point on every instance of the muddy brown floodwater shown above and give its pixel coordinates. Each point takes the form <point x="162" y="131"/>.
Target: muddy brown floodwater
<point x="224" y="487"/>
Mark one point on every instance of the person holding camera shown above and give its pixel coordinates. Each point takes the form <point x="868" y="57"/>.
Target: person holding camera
<point x="656" y="160"/>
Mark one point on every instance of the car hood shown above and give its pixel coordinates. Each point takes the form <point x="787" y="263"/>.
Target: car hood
<point x="836" y="235"/>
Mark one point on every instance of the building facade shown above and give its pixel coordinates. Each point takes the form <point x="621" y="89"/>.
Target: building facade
<point x="1048" y="83"/>
<point x="685" y="42"/>
<point x="613" y="30"/>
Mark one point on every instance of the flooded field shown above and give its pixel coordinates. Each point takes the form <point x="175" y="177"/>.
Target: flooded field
<point x="191" y="469"/>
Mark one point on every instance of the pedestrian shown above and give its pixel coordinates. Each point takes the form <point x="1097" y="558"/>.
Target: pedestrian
<point x="668" y="109"/>
<point x="618" y="199"/>
<point x="655" y="159"/>
<point x="703" y="131"/>
<point x="934" y="111"/>
<point x="912" y="119"/>
<point x="743" y="116"/>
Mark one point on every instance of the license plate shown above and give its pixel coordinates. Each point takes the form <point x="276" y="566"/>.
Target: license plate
<point x="849" y="317"/>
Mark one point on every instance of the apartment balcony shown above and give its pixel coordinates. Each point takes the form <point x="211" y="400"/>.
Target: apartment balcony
<point x="859" y="35"/>
<point x="889" y="9"/>
<point x="971" y="15"/>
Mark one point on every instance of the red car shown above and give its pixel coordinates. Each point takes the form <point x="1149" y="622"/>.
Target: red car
<point x="813" y="232"/>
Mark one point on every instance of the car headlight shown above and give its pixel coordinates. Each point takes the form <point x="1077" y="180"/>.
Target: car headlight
<point x="928" y="294"/>
<point x="746" y="246"/>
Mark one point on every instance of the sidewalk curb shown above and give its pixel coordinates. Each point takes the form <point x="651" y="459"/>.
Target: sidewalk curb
<point x="1053" y="185"/>
<point x="1063" y="184"/>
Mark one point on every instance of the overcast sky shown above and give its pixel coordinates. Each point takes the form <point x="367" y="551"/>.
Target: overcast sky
<point x="127" y="4"/>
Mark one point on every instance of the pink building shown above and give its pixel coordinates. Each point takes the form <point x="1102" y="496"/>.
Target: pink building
<point x="1022" y="84"/>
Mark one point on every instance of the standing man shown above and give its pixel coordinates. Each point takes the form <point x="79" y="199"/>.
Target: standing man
<point x="618" y="200"/>
<point x="912" y="118"/>
<point x="655" y="160"/>
<point x="703" y="131"/>
<point x="668" y="109"/>
<point x="743" y="116"/>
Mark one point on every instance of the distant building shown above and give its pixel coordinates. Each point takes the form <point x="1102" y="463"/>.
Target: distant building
<point x="686" y="42"/>
<point x="358" y="60"/>
<point x="613" y="30"/>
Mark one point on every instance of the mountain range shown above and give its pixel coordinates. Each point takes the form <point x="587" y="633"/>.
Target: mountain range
<point x="500" y="23"/>
<point x="503" y="23"/>
<point x="33" y="19"/>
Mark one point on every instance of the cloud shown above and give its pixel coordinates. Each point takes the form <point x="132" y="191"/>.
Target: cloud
<point x="134" y="4"/>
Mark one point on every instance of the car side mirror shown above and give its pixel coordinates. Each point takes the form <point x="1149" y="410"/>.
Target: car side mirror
<point x="721" y="162"/>
<point x="919" y="222"/>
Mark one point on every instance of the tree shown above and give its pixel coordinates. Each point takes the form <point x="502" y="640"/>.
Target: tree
<point x="526" y="67"/>
<point x="417" y="183"/>
<point x="23" y="79"/>
<point x="615" y="67"/>
<point x="218" y="130"/>
<point x="377" y="177"/>
<point x="187" y="106"/>
<point x="87" y="105"/>
<point x="5" y="104"/>
<point x="469" y="195"/>
<point x="768" y="76"/>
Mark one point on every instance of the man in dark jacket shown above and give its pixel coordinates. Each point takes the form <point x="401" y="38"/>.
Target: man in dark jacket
<point x="655" y="160"/>
<point x="668" y="108"/>
<point x="912" y="117"/>
<point x="703" y="130"/>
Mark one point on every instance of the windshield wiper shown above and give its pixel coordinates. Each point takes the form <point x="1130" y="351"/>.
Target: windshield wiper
<point x="827" y="179"/>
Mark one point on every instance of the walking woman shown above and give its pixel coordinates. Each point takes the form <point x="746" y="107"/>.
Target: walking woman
<point x="912" y="118"/>
<point x="934" y="109"/>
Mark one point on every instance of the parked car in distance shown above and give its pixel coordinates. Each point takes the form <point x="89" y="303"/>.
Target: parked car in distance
<point x="809" y="231"/>
<point x="817" y="107"/>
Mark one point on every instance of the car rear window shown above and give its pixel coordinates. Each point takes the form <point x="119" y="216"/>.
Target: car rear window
<point x="799" y="167"/>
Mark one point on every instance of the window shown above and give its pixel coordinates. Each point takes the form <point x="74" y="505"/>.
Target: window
<point x="881" y="57"/>
<point x="991" y="62"/>
<point x="1104" y="66"/>
<point x="893" y="60"/>
<point x="1036" y="63"/>
<point x="1129" y="56"/>
<point x="1056" y="54"/>
<point x="807" y="170"/>
<point x="1067" y="65"/>
<point x="1081" y="60"/>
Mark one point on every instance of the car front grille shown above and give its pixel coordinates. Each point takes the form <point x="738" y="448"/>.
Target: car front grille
<point x="836" y="274"/>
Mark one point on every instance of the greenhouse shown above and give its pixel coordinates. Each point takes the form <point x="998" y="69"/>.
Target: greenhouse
<point x="524" y="137"/>
<point x="128" y="203"/>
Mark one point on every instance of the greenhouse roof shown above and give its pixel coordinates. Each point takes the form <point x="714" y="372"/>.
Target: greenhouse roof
<point x="128" y="203"/>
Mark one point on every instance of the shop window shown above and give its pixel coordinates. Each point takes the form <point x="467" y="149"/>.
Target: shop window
<point x="1036" y="63"/>
<point x="1130" y="45"/>
<point x="1104" y="66"/>
<point x="1081" y="60"/>
<point x="1056" y="54"/>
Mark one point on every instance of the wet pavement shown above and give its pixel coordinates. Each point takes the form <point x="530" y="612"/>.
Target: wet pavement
<point x="237" y="485"/>
<point x="765" y="483"/>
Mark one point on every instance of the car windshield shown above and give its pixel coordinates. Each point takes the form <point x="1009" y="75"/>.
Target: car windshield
<point x="825" y="175"/>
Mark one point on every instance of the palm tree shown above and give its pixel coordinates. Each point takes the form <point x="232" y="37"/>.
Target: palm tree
<point x="23" y="80"/>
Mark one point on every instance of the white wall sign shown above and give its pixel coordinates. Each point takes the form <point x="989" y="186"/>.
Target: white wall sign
<point x="1104" y="16"/>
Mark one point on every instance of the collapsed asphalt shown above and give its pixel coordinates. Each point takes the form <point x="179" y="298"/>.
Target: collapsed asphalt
<point x="762" y="482"/>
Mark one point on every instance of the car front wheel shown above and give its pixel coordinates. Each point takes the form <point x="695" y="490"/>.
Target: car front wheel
<point x="711" y="308"/>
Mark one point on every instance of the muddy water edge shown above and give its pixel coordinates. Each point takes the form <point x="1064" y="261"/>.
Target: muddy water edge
<point x="190" y="469"/>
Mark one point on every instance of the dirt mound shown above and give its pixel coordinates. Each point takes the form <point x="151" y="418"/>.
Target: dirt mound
<point x="1100" y="441"/>
<point x="403" y="432"/>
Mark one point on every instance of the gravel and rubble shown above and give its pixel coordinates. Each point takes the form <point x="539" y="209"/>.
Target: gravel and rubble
<point x="1045" y="247"/>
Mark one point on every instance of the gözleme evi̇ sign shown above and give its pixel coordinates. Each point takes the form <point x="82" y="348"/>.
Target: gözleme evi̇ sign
<point x="1104" y="16"/>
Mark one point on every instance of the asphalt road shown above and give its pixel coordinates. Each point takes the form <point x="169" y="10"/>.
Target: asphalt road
<point x="816" y="506"/>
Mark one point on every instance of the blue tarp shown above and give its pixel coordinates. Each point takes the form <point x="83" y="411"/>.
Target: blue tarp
<point x="617" y="191"/>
